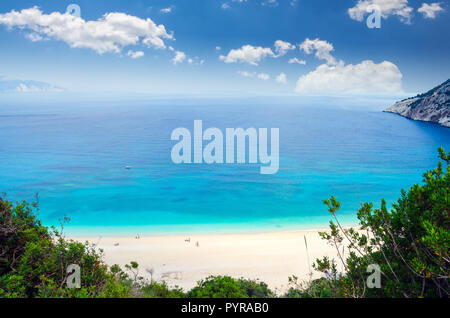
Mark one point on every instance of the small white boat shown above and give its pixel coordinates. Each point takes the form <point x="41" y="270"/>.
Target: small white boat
<point x="128" y="167"/>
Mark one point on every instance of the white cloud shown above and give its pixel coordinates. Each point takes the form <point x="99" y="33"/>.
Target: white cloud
<point x="167" y="10"/>
<point x="248" y="54"/>
<point x="218" y="48"/>
<point x="282" y="79"/>
<point x="179" y="58"/>
<point x="261" y="76"/>
<point x="110" y="33"/>
<point x="321" y="48"/>
<point x="34" y="37"/>
<point x="364" y="78"/>
<point x="429" y="11"/>
<point x="399" y="8"/>
<point x="246" y="73"/>
<point x="264" y="3"/>
<point x="282" y="47"/>
<point x="135" y="55"/>
<point x="190" y="60"/>
<point x="270" y="3"/>
<point x="295" y="60"/>
<point x="24" y="88"/>
<point x="254" y="54"/>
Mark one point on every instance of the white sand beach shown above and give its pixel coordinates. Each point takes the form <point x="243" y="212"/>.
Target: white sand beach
<point x="270" y="257"/>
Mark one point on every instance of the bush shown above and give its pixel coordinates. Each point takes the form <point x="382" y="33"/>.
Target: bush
<point x="410" y="244"/>
<point x="33" y="260"/>
<point x="228" y="287"/>
<point x="161" y="290"/>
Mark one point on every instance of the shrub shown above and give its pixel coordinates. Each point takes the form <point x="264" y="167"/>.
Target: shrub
<point x="228" y="287"/>
<point x="410" y="244"/>
<point x="33" y="259"/>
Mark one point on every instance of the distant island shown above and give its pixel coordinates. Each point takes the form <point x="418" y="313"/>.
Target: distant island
<point x="432" y="106"/>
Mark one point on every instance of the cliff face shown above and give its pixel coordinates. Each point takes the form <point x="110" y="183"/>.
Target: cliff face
<point x="433" y="106"/>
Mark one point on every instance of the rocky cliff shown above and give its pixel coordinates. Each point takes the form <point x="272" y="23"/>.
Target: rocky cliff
<point x="433" y="106"/>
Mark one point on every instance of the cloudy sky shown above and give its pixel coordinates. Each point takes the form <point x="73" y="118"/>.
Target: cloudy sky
<point x="300" y="47"/>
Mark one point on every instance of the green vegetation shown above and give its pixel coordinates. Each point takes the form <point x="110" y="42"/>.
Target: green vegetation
<point x="34" y="259"/>
<point x="409" y="244"/>
<point x="431" y="91"/>
<point x="420" y="97"/>
<point x="227" y="287"/>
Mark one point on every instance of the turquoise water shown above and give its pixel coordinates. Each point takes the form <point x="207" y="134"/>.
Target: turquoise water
<point x="74" y="156"/>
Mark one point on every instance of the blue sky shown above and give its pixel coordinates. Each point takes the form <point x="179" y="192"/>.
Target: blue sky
<point x="408" y="54"/>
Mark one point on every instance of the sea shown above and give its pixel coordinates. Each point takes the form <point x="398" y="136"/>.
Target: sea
<point x="107" y="165"/>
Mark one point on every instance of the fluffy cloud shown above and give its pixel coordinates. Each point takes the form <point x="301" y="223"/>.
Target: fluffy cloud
<point x="110" y="33"/>
<point x="179" y="58"/>
<point x="295" y="60"/>
<point x="429" y="11"/>
<point x="364" y="78"/>
<point x="282" y="47"/>
<point x="254" y="54"/>
<point x="264" y="3"/>
<point x="282" y="79"/>
<point x="270" y="3"/>
<point x="135" y="55"/>
<point x="24" y="88"/>
<point x="34" y="37"/>
<point x="321" y="49"/>
<point x="167" y="10"/>
<point x="261" y="76"/>
<point x="399" y="8"/>
<point x="248" y="54"/>
<point x="246" y="73"/>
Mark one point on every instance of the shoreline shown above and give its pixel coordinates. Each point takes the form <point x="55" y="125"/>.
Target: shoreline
<point x="225" y="232"/>
<point x="200" y="229"/>
<point x="183" y="260"/>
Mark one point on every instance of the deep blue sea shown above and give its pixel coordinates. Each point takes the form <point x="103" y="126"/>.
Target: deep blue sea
<point x="75" y="155"/>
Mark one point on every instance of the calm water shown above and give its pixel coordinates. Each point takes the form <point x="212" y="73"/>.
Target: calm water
<point x="74" y="157"/>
